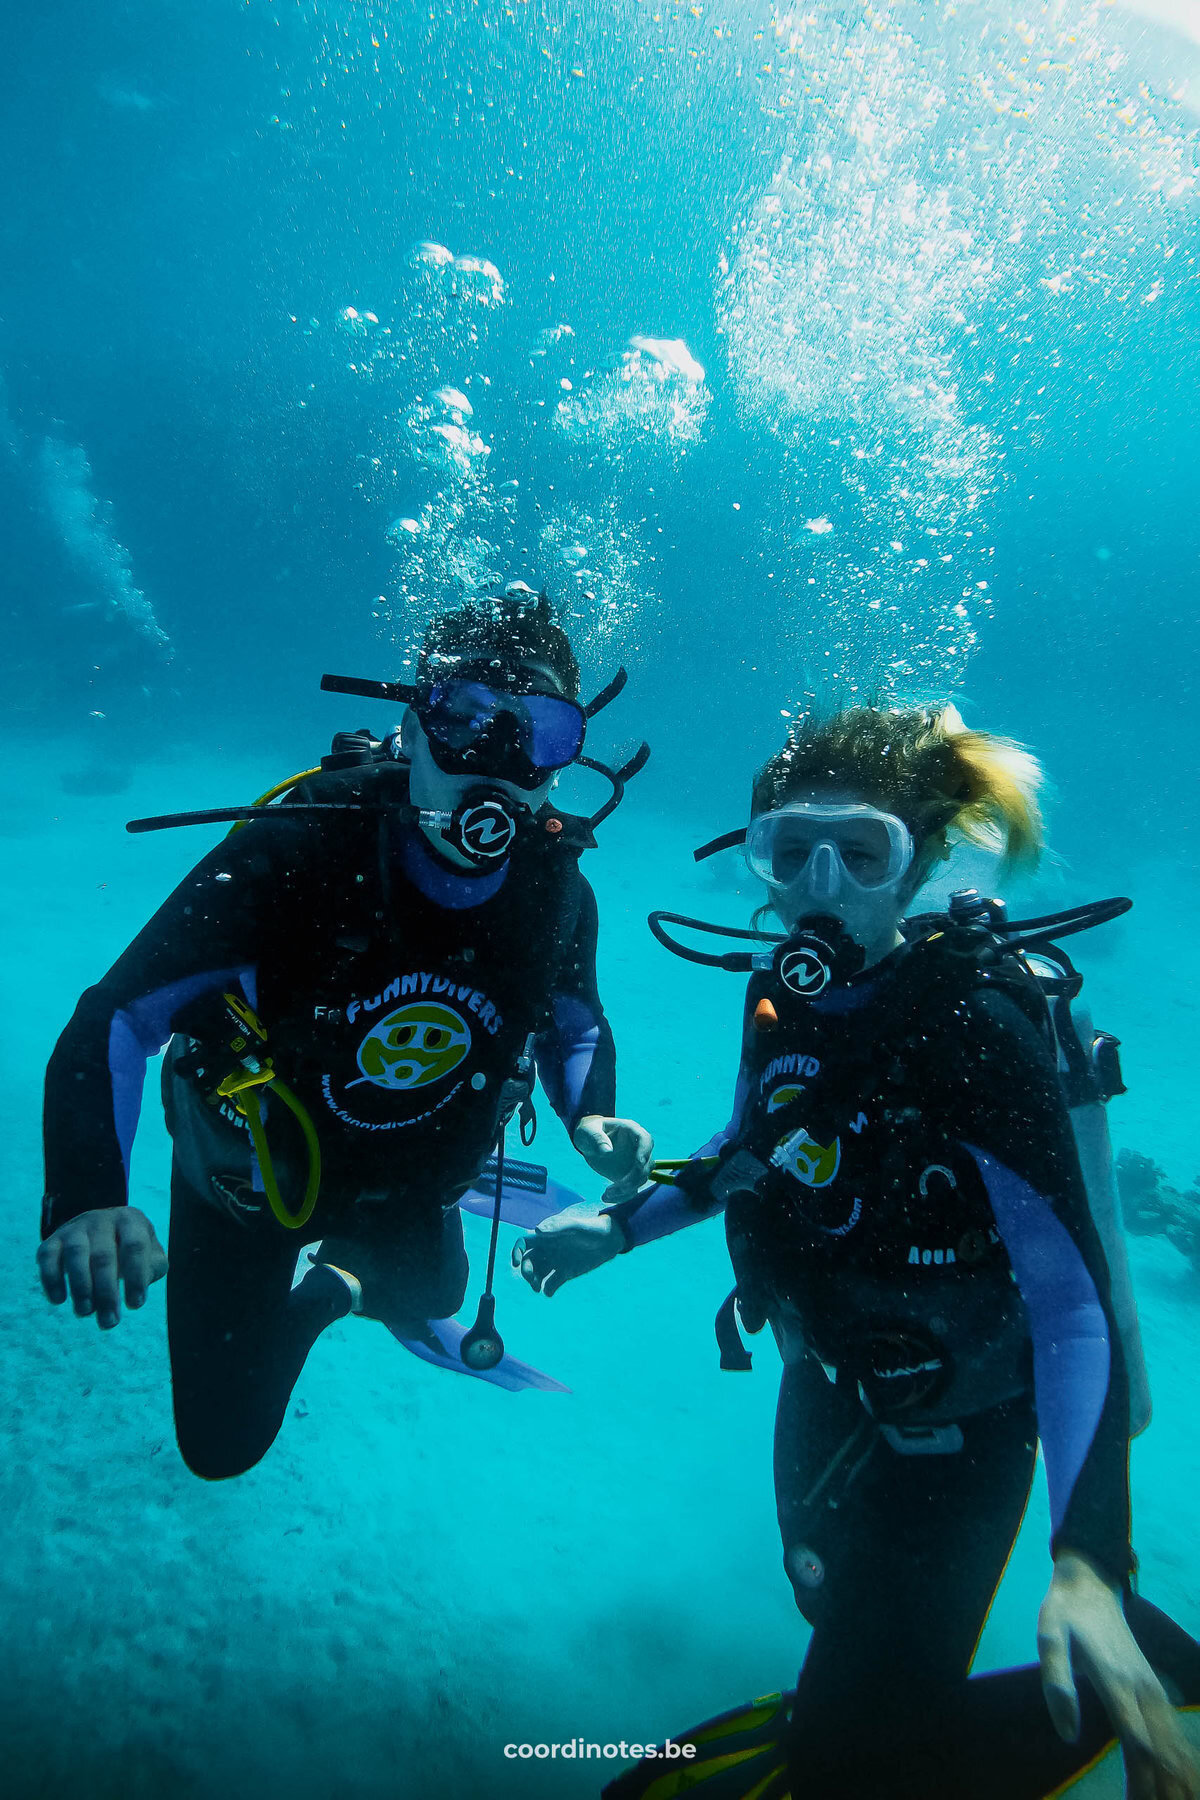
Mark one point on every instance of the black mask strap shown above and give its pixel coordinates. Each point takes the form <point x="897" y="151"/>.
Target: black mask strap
<point x="727" y="841"/>
<point x="400" y="693"/>
<point x="607" y="695"/>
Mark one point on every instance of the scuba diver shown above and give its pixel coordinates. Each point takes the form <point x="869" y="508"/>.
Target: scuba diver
<point x="356" y="988"/>
<point x="904" y="1200"/>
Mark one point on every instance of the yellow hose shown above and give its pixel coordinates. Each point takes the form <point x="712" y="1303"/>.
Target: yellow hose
<point x="247" y="1104"/>
<point x="281" y="787"/>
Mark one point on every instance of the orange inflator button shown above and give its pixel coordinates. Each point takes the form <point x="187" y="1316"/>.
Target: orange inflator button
<point x="765" y="1016"/>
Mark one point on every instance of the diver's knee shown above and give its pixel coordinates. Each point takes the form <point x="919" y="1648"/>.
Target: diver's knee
<point x="213" y="1459"/>
<point x="806" y="1572"/>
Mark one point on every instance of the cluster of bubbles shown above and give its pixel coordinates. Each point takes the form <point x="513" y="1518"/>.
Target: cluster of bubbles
<point x="637" y="414"/>
<point x="449" y="279"/>
<point x="443" y="308"/>
<point x="439" y="445"/>
<point x="594" y="560"/>
<point x="442" y="437"/>
<point x="947" y="202"/>
<point x="840" y="349"/>
<point x="653" y="394"/>
<point x="941" y="190"/>
<point x="427" y="445"/>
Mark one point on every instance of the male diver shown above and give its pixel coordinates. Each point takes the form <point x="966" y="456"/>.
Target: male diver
<point x="355" y="987"/>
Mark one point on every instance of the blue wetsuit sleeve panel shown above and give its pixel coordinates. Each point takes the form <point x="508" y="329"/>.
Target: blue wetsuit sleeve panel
<point x="1017" y="1129"/>
<point x="665" y="1207"/>
<point x="203" y="939"/>
<point x="576" y="1056"/>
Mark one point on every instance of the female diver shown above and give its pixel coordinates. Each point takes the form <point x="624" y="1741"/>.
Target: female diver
<point x="905" y="1206"/>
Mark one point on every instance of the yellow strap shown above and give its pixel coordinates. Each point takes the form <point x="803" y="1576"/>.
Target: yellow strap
<point x="665" y="1169"/>
<point x="246" y="1016"/>
<point x="241" y="1079"/>
<point x="247" y="1103"/>
<point x="281" y="787"/>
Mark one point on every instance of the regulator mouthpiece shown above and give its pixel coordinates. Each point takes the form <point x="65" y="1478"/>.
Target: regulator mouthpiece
<point x="482" y="827"/>
<point x="819" y="954"/>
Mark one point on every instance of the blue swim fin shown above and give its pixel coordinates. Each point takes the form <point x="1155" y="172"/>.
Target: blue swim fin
<point x="529" y="1194"/>
<point x="439" y="1345"/>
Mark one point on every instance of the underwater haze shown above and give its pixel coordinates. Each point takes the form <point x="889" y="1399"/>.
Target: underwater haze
<point x="838" y="351"/>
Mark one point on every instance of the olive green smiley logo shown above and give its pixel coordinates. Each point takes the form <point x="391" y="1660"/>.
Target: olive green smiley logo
<point x="414" y="1046"/>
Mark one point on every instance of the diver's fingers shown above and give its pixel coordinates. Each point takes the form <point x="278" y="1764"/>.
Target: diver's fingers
<point x="1058" y="1684"/>
<point x="1159" y="1764"/>
<point x="1171" y="1746"/>
<point x="518" y="1254"/>
<point x="643" y="1150"/>
<point x="591" y="1138"/>
<point x="77" y="1262"/>
<point x="1140" y="1778"/>
<point x="50" y="1269"/>
<point x="140" y="1251"/>
<point x="529" y="1267"/>
<point x="1148" y="1779"/>
<point x="106" y="1281"/>
<point x="133" y="1252"/>
<point x="553" y="1282"/>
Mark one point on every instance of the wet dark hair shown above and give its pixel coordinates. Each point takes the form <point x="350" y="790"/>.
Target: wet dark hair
<point x="508" y="628"/>
<point x="923" y="764"/>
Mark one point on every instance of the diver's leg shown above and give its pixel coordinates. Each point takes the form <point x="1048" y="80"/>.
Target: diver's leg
<point x="238" y="1333"/>
<point x="1173" y="1653"/>
<point x="411" y="1264"/>
<point x="894" y="1560"/>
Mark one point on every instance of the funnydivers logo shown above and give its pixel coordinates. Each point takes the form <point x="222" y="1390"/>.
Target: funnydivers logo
<point x="414" y="1046"/>
<point x="813" y="1165"/>
<point x="805" y="972"/>
<point x="833" y="1211"/>
<point x="487" y="830"/>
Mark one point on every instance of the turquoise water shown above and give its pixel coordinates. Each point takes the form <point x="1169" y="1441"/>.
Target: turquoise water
<point x="840" y="350"/>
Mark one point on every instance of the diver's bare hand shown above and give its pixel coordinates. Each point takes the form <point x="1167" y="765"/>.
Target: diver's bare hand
<point x="566" y="1245"/>
<point x="619" y="1149"/>
<point x="92" y="1254"/>
<point x="1082" y="1622"/>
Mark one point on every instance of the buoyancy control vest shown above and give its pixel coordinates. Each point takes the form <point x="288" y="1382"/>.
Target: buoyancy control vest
<point x="770" y="1173"/>
<point x="388" y="1025"/>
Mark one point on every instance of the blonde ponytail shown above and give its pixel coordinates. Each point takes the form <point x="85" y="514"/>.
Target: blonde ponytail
<point x="999" y="785"/>
<point x="923" y="764"/>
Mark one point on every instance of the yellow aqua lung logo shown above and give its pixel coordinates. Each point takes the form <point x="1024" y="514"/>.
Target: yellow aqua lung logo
<point x="814" y="1165"/>
<point x="783" y="1096"/>
<point x="414" y="1046"/>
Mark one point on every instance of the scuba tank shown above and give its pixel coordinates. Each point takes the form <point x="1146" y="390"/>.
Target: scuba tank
<point x="1025" y="955"/>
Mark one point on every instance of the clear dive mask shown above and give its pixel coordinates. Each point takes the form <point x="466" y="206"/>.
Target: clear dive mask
<point x="829" y="849"/>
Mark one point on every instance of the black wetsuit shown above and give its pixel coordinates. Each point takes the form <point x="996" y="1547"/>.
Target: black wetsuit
<point x="399" y="996"/>
<point x="908" y="1212"/>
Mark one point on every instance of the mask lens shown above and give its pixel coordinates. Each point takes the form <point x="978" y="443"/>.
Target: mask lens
<point x="457" y="713"/>
<point x="556" y="728"/>
<point x="872" y="848"/>
<point x="511" y="736"/>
